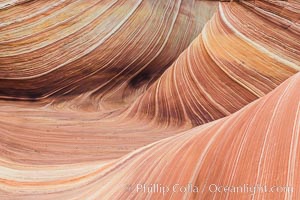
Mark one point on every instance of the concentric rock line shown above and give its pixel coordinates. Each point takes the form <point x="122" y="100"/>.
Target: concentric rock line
<point x="220" y="152"/>
<point x="91" y="43"/>
<point x="97" y="97"/>
<point x="251" y="135"/>
<point x="220" y="62"/>
<point x="213" y="78"/>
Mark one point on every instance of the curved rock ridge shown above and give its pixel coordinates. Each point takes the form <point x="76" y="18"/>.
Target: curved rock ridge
<point x="67" y="48"/>
<point x="100" y="97"/>
<point x="225" y="68"/>
<point x="213" y="78"/>
<point x="287" y="13"/>
<point x="258" y="145"/>
<point x="264" y="133"/>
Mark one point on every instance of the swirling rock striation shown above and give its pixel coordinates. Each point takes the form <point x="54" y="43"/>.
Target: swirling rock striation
<point x="71" y="48"/>
<point x="99" y="95"/>
<point x="229" y="65"/>
<point x="264" y="133"/>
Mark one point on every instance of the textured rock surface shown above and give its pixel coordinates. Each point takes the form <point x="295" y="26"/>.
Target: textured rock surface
<point x="69" y="48"/>
<point x="99" y="95"/>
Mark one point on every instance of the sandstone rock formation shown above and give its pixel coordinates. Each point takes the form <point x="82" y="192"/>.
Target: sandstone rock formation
<point x="98" y="97"/>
